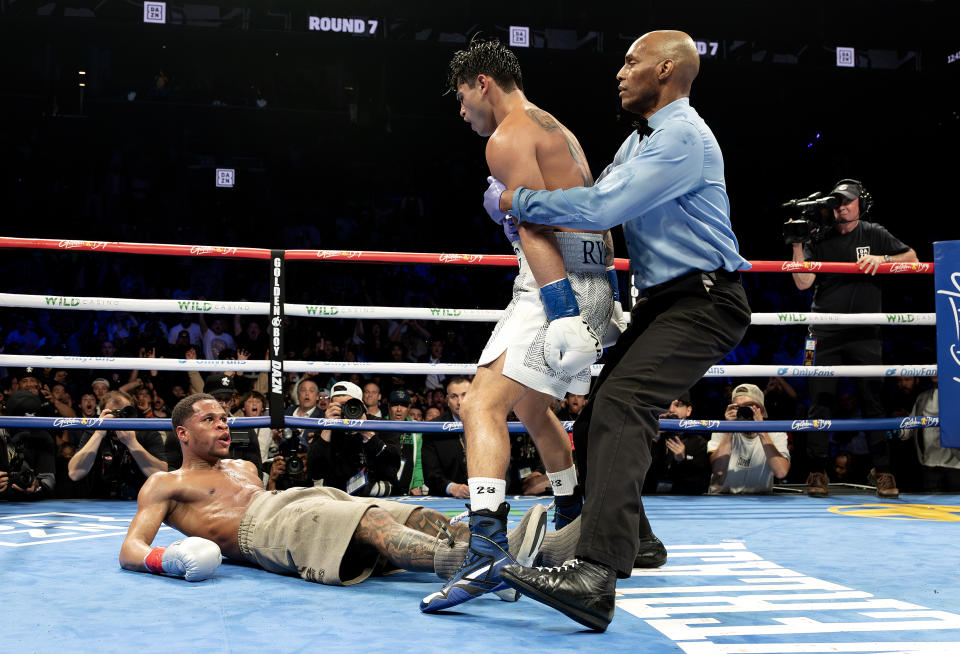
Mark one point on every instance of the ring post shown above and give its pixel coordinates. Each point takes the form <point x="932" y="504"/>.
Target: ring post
<point x="277" y="298"/>
<point x="946" y="275"/>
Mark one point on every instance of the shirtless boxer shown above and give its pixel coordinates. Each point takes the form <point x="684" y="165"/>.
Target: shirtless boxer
<point x="321" y="534"/>
<point x="545" y="342"/>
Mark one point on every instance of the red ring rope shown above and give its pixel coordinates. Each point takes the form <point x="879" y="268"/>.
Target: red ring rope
<point x="367" y="256"/>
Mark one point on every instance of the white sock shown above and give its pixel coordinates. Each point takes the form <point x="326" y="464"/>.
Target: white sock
<point x="486" y="493"/>
<point x="563" y="482"/>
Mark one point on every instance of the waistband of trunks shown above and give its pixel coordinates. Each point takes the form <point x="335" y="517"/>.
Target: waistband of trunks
<point x="582" y="252"/>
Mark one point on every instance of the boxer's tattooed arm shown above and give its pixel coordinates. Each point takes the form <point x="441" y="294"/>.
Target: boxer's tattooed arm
<point x="608" y="242"/>
<point x="548" y="123"/>
<point x="402" y="546"/>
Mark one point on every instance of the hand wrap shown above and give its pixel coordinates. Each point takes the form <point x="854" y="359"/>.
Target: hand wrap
<point x="193" y="558"/>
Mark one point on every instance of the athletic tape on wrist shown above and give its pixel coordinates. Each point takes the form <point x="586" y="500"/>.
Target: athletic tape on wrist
<point x="559" y="300"/>
<point x="154" y="560"/>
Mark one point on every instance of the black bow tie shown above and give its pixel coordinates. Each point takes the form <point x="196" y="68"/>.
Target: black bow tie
<point x="643" y="129"/>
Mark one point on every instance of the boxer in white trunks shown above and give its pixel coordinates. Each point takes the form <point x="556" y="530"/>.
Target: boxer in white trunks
<point x="562" y="312"/>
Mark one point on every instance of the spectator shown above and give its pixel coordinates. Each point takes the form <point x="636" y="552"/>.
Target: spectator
<point x="360" y="463"/>
<point x="88" y="405"/>
<point x="100" y="386"/>
<point x="410" y="476"/>
<point x="254" y="405"/>
<point x="681" y="465"/>
<point x="940" y="466"/>
<point x="22" y="339"/>
<point x="308" y="398"/>
<point x="412" y="335"/>
<point x="61" y="400"/>
<point x="846" y="468"/>
<point x="32" y="381"/>
<point x="371" y="399"/>
<point x="186" y="324"/>
<point x="415" y="413"/>
<point x="116" y="463"/>
<point x="444" y="453"/>
<point x="143" y="399"/>
<point x="27" y="461"/>
<point x="902" y="398"/>
<point x="747" y="462"/>
<point x="435" y="355"/>
<point x="571" y="406"/>
<point x="250" y="337"/>
<point x="215" y="338"/>
<point x="781" y="399"/>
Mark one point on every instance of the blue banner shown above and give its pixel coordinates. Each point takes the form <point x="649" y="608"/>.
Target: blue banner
<point x="946" y="275"/>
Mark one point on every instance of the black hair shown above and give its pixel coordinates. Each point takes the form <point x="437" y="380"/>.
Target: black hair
<point x="184" y="408"/>
<point x="458" y="379"/>
<point x="489" y="57"/>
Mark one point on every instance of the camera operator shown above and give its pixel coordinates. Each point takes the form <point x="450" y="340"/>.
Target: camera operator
<point x="680" y="463"/>
<point x="27" y="458"/>
<point x="847" y="238"/>
<point x="747" y="462"/>
<point x="358" y="462"/>
<point x="116" y="463"/>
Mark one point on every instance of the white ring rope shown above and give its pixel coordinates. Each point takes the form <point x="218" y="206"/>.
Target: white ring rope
<point x="69" y="302"/>
<point x="389" y="367"/>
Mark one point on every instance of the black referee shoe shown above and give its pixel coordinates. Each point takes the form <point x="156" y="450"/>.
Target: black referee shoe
<point x="581" y="590"/>
<point x="652" y="553"/>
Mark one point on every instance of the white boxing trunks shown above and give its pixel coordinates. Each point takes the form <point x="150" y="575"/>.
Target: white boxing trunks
<point x="520" y="331"/>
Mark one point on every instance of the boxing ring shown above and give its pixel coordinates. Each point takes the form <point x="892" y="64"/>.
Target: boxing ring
<point x="775" y="573"/>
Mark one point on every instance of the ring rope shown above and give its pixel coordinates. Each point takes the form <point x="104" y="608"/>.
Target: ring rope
<point x="408" y="368"/>
<point x="69" y="302"/>
<point x="164" y="424"/>
<point x="365" y="256"/>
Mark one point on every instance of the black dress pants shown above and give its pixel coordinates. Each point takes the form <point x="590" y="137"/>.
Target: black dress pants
<point x="847" y="347"/>
<point x="676" y="333"/>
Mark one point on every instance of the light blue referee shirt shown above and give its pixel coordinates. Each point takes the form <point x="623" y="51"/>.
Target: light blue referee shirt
<point x="668" y="192"/>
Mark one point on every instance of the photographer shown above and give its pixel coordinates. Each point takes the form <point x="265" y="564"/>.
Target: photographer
<point x="117" y="463"/>
<point x="680" y="463"/>
<point x="358" y="462"/>
<point x="27" y="458"/>
<point x="847" y="238"/>
<point x="747" y="462"/>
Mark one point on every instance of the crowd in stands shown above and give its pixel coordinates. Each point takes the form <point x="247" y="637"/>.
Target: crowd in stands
<point x="419" y="462"/>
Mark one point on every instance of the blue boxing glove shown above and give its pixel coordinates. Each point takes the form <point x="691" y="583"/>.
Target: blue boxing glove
<point x="570" y="345"/>
<point x="491" y="200"/>
<point x="618" y="323"/>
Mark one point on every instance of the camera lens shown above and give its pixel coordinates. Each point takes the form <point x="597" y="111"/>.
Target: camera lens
<point x="744" y="413"/>
<point x="353" y="409"/>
